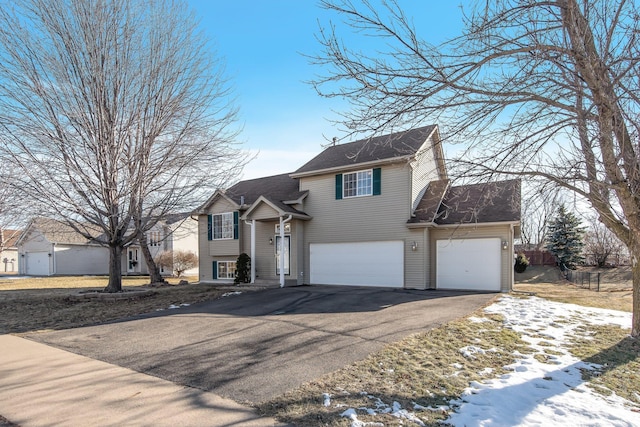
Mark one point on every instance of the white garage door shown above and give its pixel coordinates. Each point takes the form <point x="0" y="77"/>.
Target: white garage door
<point x="37" y="263"/>
<point x="358" y="264"/>
<point x="472" y="264"/>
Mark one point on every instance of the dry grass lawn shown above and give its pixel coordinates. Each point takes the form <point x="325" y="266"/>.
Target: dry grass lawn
<point x="32" y="304"/>
<point x="547" y="283"/>
<point x="427" y="369"/>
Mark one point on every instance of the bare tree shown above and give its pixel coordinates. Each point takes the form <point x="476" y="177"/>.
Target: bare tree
<point x="539" y="206"/>
<point x="600" y="243"/>
<point x="536" y="89"/>
<point x="116" y="111"/>
<point x="14" y="207"/>
<point x="177" y="261"/>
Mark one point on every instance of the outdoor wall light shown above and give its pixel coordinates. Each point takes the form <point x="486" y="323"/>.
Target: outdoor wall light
<point x="271" y="241"/>
<point x="414" y="246"/>
<point x="505" y="245"/>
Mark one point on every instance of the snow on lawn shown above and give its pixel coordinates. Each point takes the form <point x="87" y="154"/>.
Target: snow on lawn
<point x="533" y="393"/>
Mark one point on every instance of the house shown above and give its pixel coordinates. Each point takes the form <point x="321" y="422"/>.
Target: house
<point x="8" y="250"/>
<point x="49" y="247"/>
<point x="375" y="212"/>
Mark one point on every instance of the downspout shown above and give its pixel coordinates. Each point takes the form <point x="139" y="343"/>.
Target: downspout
<point x="53" y="258"/>
<point x="282" y="223"/>
<point x="253" y="248"/>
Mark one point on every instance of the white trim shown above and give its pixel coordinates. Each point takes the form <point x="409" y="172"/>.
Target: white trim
<point x="458" y="225"/>
<point x="227" y="263"/>
<point x="358" y="166"/>
<point x="213" y="237"/>
<point x="357" y="182"/>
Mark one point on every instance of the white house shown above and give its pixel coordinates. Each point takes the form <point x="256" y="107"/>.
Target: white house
<point x="49" y="247"/>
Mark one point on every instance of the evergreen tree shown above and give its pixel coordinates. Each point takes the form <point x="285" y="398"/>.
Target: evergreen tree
<point x="564" y="238"/>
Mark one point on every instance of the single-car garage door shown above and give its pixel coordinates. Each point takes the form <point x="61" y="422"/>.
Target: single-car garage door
<point x="357" y="264"/>
<point x="472" y="264"/>
<point x="37" y="264"/>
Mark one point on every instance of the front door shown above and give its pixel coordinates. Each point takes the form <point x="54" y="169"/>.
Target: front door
<point x="287" y="254"/>
<point x="133" y="264"/>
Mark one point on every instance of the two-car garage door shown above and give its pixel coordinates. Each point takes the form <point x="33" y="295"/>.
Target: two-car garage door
<point x="358" y="264"/>
<point x="472" y="264"/>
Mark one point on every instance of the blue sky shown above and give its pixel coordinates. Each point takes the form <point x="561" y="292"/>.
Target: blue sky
<point x="262" y="44"/>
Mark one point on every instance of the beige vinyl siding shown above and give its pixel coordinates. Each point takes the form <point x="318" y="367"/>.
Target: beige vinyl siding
<point x="204" y="259"/>
<point x="362" y="219"/>
<point x="424" y="170"/>
<point x="224" y="247"/>
<point x="222" y="205"/>
<point x="263" y="211"/>
<point x="415" y="261"/>
<point x="503" y="232"/>
<point x="210" y="250"/>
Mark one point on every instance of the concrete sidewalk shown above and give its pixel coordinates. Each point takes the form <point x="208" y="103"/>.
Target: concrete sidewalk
<point x="44" y="386"/>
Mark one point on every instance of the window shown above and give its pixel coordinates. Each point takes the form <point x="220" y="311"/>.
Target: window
<point x="222" y="226"/>
<point x="153" y="238"/>
<point x="360" y="183"/>
<point x="226" y="269"/>
<point x="357" y="184"/>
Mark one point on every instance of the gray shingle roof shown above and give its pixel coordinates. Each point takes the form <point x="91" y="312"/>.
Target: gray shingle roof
<point x="480" y="203"/>
<point x="278" y="187"/>
<point x="430" y="202"/>
<point x="383" y="147"/>
<point x="60" y="232"/>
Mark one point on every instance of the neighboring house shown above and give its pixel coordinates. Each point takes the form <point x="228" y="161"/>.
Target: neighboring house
<point x="9" y="250"/>
<point x="377" y="212"/>
<point x="49" y="247"/>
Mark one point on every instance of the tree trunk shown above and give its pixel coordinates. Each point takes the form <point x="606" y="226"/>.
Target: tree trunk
<point x="154" y="270"/>
<point x="635" y="322"/>
<point x="115" y="269"/>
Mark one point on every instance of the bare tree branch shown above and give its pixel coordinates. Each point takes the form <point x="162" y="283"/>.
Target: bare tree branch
<point x="116" y="112"/>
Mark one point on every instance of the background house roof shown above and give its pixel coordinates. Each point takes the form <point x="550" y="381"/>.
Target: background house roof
<point x="383" y="147"/>
<point x="61" y="232"/>
<point x="11" y="237"/>
<point x="476" y="203"/>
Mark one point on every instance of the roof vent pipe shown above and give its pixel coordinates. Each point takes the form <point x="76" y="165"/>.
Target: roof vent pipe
<point x="241" y="200"/>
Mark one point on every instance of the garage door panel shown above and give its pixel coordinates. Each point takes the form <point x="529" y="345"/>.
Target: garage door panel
<point x="358" y="263"/>
<point x="472" y="264"/>
<point x="37" y="264"/>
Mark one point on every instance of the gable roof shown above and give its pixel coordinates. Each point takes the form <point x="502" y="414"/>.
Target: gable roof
<point x="275" y="188"/>
<point x="395" y="146"/>
<point x="281" y="191"/>
<point x="11" y="237"/>
<point x="60" y="232"/>
<point x="486" y="202"/>
<point x="481" y="203"/>
<point x="430" y="202"/>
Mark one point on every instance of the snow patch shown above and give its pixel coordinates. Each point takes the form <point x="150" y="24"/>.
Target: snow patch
<point x="228" y="294"/>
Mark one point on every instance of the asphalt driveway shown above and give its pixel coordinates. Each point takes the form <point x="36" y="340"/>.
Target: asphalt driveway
<point x="255" y="346"/>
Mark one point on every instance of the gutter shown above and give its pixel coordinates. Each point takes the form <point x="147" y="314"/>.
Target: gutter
<point x="353" y="166"/>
